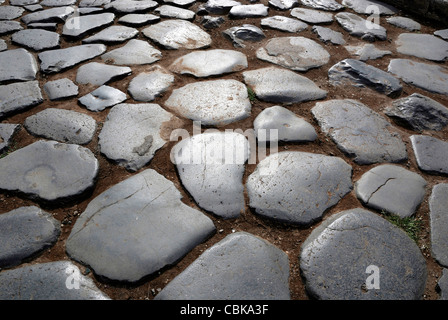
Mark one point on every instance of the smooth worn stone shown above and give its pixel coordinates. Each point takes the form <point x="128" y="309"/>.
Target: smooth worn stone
<point x="359" y="132"/>
<point x="211" y="168"/>
<point x="25" y="232"/>
<point x="34" y="7"/>
<point x="279" y="85"/>
<point x="62" y="125"/>
<point x="7" y="27"/>
<point x="328" y="35"/>
<point x="220" y="6"/>
<point x="367" y="51"/>
<point x="360" y="74"/>
<point x="361" y="28"/>
<point x="312" y="16"/>
<point x="3" y="45"/>
<point x="210" y="63"/>
<point x="249" y="11"/>
<point x="102" y="98"/>
<point x="442" y="285"/>
<point x="92" y="10"/>
<point x="298" y="187"/>
<point x="177" y="34"/>
<point x="131" y="134"/>
<point x="54" y="61"/>
<point x="439" y="223"/>
<point x="17" y="65"/>
<point x="10" y="12"/>
<point x="369" y="7"/>
<point x="431" y="154"/>
<point x="283" y="4"/>
<point x="209" y="22"/>
<point x="295" y="53"/>
<point x="58" y="14"/>
<point x="16" y="97"/>
<point x="262" y="275"/>
<point x="327" y="5"/>
<point x="36" y="39"/>
<point x="392" y="189"/>
<point x="180" y="3"/>
<point x="442" y="34"/>
<point x="168" y="11"/>
<point x="150" y="84"/>
<point x="7" y="133"/>
<point x="22" y="3"/>
<point x="60" y="89"/>
<point x="404" y="23"/>
<point x="79" y="26"/>
<point x="429" y="77"/>
<point x="112" y="35"/>
<point x="284" y="24"/>
<point x="58" y="172"/>
<point x="419" y="113"/>
<point x="134" y="52"/>
<point x="246" y="32"/>
<point x="424" y="46"/>
<point x="287" y="125"/>
<point x="99" y="73"/>
<point x="142" y="220"/>
<point x="384" y="264"/>
<point x="49" y="26"/>
<point x="131" y="6"/>
<point x="93" y="3"/>
<point x="213" y="102"/>
<point x="57" y="3"/>
<point x="138" y="20"/>
<point x="59" y="280"/>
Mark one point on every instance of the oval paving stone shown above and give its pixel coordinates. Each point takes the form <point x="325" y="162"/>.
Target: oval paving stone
<point x="151" y="84"/>
<point x="359" y="27"/>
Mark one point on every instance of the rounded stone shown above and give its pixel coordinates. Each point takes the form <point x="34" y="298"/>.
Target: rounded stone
<point x="424" y="46"/>
<point x="151" y="84"/>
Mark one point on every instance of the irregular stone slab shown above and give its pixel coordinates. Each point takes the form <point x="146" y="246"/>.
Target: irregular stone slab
<point x="213" y="102"/>
<point x="34" y="7"/>
<point x="327" y="5"/>
<point x="262" y="275"/>
<point x="287" y="125"/>
<point x="176" y="34"/>
<point x="134" y="52"/>
<point x="429" y="77"/>
<point x="58" y="14"/>
<point x="284" y="24"/>
<point x="439" y="223"/>
<point x="22" y="3"/>
<point x="10" y="12"/>
<point x="210" y="63"/>
<point x="442" y="34"/>
<point x="131" y="6"/>
<point x="54" y="61"/>
<point x="16" y="97"/>
<point x="312" y="16"/>
<point x="249" y="11"/>
<point x="367" y="51"/>
<point x="48" y="281"/>
<point x="328" y="35"/>
<point x="282" y="86"/>
<point x="359" y="132"/>
<point x="36" y="39"/>
<point x="442" y="285"/>
<point x="419" y="113"/>
<point x="24" y="232"/>
<point x="7" y="132"/>
<point x="360" y="74"/>
<point x="102" y="98"/>
<point x="98" y="73"/>
<point x="295" y="53"/>
<point x="3" y="45"/>
<point x="220" y="6"/>
<point x="431" y="154"/>
<point x="137" y="20"/>
<point x="17" y="65"/>
<point x="335" y="269"/>
<point x="57" y="3"/>
<point x="151" y="84"/>
<point x="209" y="22"/>
<point x="141" y="219"/>
<point x="79" y="26"/>
<point x="369" y="7"/>
<point x="112" y="35"/>
<point x="9" y="27"/>
<point x="131" y="134"/>
<point x="246" y="32"/>
<point x="211" y="168"/>
<point x="58" y="172"/>
<point x="62" y="125"/>
<point x="359" y="27"/>
<point x="404" y="23"/>
<point x="168" y="11"/>
<point x="284" y="4"/>
<point x="60" y="89"/>
<point x="424" y="46"/>
<point x="391" y="188"/>
<point x="297" y="187"/>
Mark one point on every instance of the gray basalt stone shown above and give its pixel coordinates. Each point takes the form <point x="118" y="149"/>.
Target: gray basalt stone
<point x="138" y="19"/>
<point x="404" y="23"/>
<point x="16" y="97"/>
<point x="36" y="39"/>
<point x="7" y="27"/>
<point x="220" y="6"/>
<point x="17" y="65"/>
<point x="431" y="154"/>
<point x="359" y="27"/>
<point x="424" y="46"/>
<point x="7" y="133"/>
<point x="10" y="12"/>
<point x="113" y="35"/>
<point x="131" y="6"/>
<point x="284" y="23"/>
<point x="312" y="16"/>
<point x="367" y="51"/>
<point x="262" y="275"/>
<point x="298" y="187"/>
<point x="369" y="7"/>
<point x="439" y="223"/>
<point x="442" y="34"/>
<point x="57" y="3"/>
<point x="386" y="265"/>
<point x="168" y="11"/>
<point x="327" y="5"/>
<point x="22" y="3"/>
<point x="60" y="89"/>
<point x="3" y="45"/>
<point x="79" y="26"/>
<point x="283" y="4"/>
<point x="25" y="232"/>
<point x="134" y="52"/>
<point x="141" y="219"/>
<point x="246" y="32"/>
<point x="58" y="14"/>
<point x="102" y="98"/>
<point x="180" y="3"/>
<point x="442" y="285"/>
<point x="93" y="3"/>
<point x="49" y="26"/>
<point x="359" y="132"/>
<point x="329" y="35"/>
<point x="98" y="73"/>
<point x="210" y="22"/>
<point x="249" y="11"/>
<point x="150" y="84"/>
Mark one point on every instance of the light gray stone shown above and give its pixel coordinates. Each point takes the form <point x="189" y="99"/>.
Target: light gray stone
<point x="99" y="73"/>
<point x="284" y="23"/>
<point x="58" y="3"/>
<point x="431" y="154"/>
<point x="7" y="133"/>
<point x="34" y="7"/>
<point x="249" y="11"/>
<point x="404" y="23"/>
<point x="283" y="4"/>
<point x="7" y="27"/>
<point x="220" y="6"/>
<point x="367" y="51"/>
<point x="424" y="46"/>
<point x="60" y="89"/>
<point x="439" y="223"/>
<point x="168" y="11"/>
<point x="328" y="35"/>
<point x="16" y="97"/>
<point x="58" y="14"/>
<point x="148" y="85"/>
<point x="246" y="32"/>
<point x="442" y="285"/>
<point x="10" y="12"/>
<point x="102" y="98"/>
<point x="442" y="34"/>
<point x="312" y="16"/>
<point x="112" y="35"/>
<point x="36" y="39"/>
<point x="369" y="7"/>
<point x="17" y="65"/>
<point x="359" y="27"/>
<point x="131" y="6"/>
<point x="180" y="3"/>
<point x="93" y="3"/>
<point x="138" y="19"/>
<point x="3" y="45"/>
<point x="327" y="5"/>
<point x="78" y="27"/>
<point x="134" y="52"/>
<point x="22" y="3"/>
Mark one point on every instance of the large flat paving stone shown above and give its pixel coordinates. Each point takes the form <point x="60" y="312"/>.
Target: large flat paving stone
<point x="60" y="89"/>
<point x="284" y="23"/>
<point x="328" y="35"/>
<point x="57" y="172"/>
<point x="7" y="133"/>
<point x="404" y="23"/>
<point x="58" y="14"/>
<point x="442" y="285"/>
<point x="360" y="27"/>
<point x="143" y="221"/>
<point x="7" y="27"/>
<point x="79" y="26"/>
<point x="131" y="6"/>
<point x="170" y="11"/>
<point x="59" y="280"/>
<point x="138" y="19"/>
<point x="369" y="7"/>
<point x="151" y="84"/>
<point x="101" y="98"/>
<point x="312" y="16"/>
<point x="36" y="39"/>
<point x="10" y="12"/>
<point x="17" y="65"/>
<point x="439" y="223"/>
<point x="25" y="232"/>
<point x="16" y="97"/>
<point x="248" y="11"/>
<point x="367" y="51"/>
<point x="134" y="52"/>
<point x="112" y="35"/>
<point x="220" y="6"/>
<point x="283" y="4"/>
<point x="358" y="255"/>
<point x="430" y="153"/>
<point x="359" y="132"/>
<point x="326" y="5"/>
<point x="392" y="189"/>
<point x="424" y="46"/>
<point x="97" y="74"/>
<point x="227" y="272"/>
<point x="211" y="168"/>
<point x="298" y="187"/>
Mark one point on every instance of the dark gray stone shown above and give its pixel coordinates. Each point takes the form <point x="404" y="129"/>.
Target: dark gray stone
<point x="98" y="74"/>
<point x="284" y="23"/>
<point x="58" y="14"/>
<point x="142" y="220"/>
<point x="16" y="97"/>
<point x="336" y="269"/>
<point x="134" y="52"/>
<point x="232" y="274"/>
<point x="7" y="27"/>
<point x="7" y="133"/>
<point x="36" y="39"/>
<point x="17" y="65"/>
<point x="131" y="6"/>
<point x="248" y="11"/>
<point x="404" y="23"/>
<point x="25" y="232"/>
<point x="431" y="154"/>
<point x="138" y="19"/>
<point x="168" y="11"/>
<point x="327" y="5"/>
<point x="10" y="12"/>
<point x="60" y="89"/>
<point x="112" y="35"/>
<point x="220" y="6"/>
<point x="359" y="27"/>
<point x="329" y="35"/>
<point x="442" y="285"/>
<point x="438" y="215"/>
<point x="180" y="3"/>
<point x="102" y="98"/>
<point x="79" y="26"/>
<point x="151" y="84"/>
<point x="312" y="16"/>
<point x="209" y="22"/>
<point x="424" y="46"/>
<point x="246" y="32"/>
<point x="283" y="4"/>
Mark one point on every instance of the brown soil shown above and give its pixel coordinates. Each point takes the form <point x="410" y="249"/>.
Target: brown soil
<point x="288" y="238"/>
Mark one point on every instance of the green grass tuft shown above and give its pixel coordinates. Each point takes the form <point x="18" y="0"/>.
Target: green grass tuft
<point x="251" y="94"/>
<point x="410" y="225"/>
